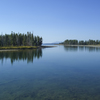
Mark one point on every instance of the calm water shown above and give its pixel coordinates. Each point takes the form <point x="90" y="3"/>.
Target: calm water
<point x="59" y="73"/>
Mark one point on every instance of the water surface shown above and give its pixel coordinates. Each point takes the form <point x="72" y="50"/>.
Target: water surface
<point x="59" y="73"/>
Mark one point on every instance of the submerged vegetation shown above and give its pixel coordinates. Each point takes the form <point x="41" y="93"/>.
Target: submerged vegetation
<point x="82" y="42"/>
<point x="19" y="39"/>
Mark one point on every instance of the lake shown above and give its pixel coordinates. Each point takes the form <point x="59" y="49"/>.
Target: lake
<point x="58" y="73"/>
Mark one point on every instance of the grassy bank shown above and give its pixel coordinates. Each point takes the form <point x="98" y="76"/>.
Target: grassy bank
<point x="19" y="47"/>
<point x="23" y="47"/>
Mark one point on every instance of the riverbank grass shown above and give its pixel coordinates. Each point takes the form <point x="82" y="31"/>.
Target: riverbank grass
<point x="19" y="47"/>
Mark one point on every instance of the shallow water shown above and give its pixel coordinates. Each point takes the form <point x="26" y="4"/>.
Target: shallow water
<point x="59" y="73"/>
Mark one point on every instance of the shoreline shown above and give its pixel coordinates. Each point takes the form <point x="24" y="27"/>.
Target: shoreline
<point x="82" y="45"/>
<point x="24" y="48"/>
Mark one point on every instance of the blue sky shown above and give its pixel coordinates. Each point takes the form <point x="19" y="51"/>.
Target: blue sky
<point x="54" y="20"/>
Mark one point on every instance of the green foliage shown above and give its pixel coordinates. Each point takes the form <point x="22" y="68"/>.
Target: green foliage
<point x="82" y="42"/>
<point x="71" y="42"/>
<point x="19" y="39"/>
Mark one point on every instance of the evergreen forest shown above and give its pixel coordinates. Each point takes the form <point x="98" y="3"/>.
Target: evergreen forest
<point x="19" y="39"/>
<point x="82" y="42"/>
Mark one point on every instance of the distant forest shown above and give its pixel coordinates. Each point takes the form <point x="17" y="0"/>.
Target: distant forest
<point x="76" y="42"/>
<point x="19" y="39"/>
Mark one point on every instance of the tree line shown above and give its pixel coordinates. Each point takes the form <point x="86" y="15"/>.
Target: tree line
<point x="19" y="39"/>
<point x="82" y="42"/>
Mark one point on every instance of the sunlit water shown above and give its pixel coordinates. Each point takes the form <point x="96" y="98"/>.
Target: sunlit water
<point x="59" y="73"/>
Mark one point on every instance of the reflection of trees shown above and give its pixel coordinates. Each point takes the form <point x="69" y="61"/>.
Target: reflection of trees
<point x="97" y="49"/>
<point x="90" y="49"/>
<point x="71" y="48"/>
<point x="81" y="48"/>
<point x="28" y="55"/>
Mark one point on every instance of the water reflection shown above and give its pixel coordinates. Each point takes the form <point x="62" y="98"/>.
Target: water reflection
<point x="82" y="48"/>
<point x="28" y="55"/>
<point x="58" y="76"/>
<point x="71" y="48"/>
<point x="91" y="49"/>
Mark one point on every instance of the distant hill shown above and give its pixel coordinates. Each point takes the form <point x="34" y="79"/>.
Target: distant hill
<point x="49" y="43"/>
<point x="57" y="42"/>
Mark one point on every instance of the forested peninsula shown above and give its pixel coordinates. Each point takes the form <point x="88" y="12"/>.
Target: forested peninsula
<point x="82" y="42"/>
<point x="20" y="41"/>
